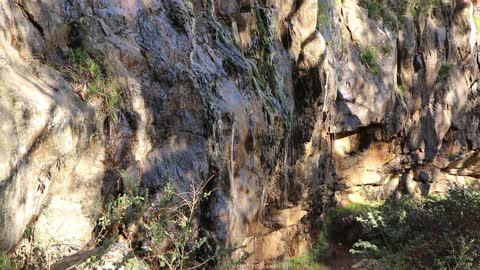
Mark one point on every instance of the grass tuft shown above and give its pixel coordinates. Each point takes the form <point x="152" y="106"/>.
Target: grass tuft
<point x="444" y="71"/>
<point x="7" y="263"/>
<point x="369" y="58"/>
<point x="98" y="85"/>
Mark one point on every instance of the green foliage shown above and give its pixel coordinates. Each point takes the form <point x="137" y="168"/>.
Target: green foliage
<point x="85" y="63"/>
<point x="439" y="232"/>
<point x="265" y="43"/>
<point x="402" y="90"/>
<point x="416" y="7"/>
<point x="369" y="57"/>
<point x="320" y="252"/>
<point x="133" y="264"/>
<point x="476" y="19"/>
<point x="393" y="12"/>
<point x="171" y="221"/>
<point x="322" y="16"/>
<point x="7" y="263"/>
<point x="89" y="73"/>
<point x="444" y="71"/>
<point x="112" y="99"/>
<point x="337" y="2"/>
<point x="365" y="249"/>
<point x="374" y="8"/>
<point x="167" y="228"/>
<point x="387" y="50"/>
<point x="123" y="209"/>
<point x="345" y="211"/>
<point x="380" y="9"/>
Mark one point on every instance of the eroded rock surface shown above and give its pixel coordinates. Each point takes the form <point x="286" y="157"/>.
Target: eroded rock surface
<point x="289" y="107"/>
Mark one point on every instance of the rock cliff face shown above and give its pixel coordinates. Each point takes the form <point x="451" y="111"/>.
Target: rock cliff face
<point x="288" y="106"/>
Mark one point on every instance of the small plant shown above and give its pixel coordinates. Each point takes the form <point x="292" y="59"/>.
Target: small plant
<point x="320" y="252"/>
<point x="369" y="58"/>
<point x="374" y="8"/>
<point x="476" y="19"/>
<point x="420" y="233"/>
<point x="112" y="100"/>
<point x="347" y="210"/>
<point x="134" y="264"/>
<point x="393" y="12"/>
<point x="365" y="249"/>
<point x="89" y="74"/>
<point x="172" y="221"/>
<point x="322" y="16"/>
<point x="402" y="89"/>
<point x="387" y="50"/>
<point x="123" y="209"/>
<point x="7" y="263"/>
<point x="444" y="71"/>
<point x="380" y="9"/>
<point x="417" y="7"/>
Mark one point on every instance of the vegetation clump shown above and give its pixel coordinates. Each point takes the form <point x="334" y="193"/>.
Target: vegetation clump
<point x="165" y="234"/>
<point x="320" y="252"/>
<point x="402" y="89"/>
<point x="444" y="71"/>
<point x="369" y="58"/>
<point x="435" y="232"/>
<point x="322" y="15"/>
<point x="7" y="263"/>
<point x="393" y="12"/>
<point x="94" y="84"/>
<point x="476" y="19"/>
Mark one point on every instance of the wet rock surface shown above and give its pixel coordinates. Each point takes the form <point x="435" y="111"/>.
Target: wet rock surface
<point x="289" y="107"/>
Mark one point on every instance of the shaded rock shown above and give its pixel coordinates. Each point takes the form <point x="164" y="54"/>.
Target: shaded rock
<point x="288" y="217"/>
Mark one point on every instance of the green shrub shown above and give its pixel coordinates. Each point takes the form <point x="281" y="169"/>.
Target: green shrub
<point x="402" y="89"/>
<point x="322" y="16"/>
<point x="369" y="58"/>
<point x="416" y="7"/>
<point x="387" y="50"/>
<point x="393" y="11"/>
<point x="476" y="19"/>
<point x="444" y="71"/>
<point x="345" y="211"/>
<point x="7" y="263"/>
<point x="320" y="252"/>
<point x="441" y="232"/>
<point x="380" y="9"/>
<point x="86" y="71"/>
<point x="170" y="237"/>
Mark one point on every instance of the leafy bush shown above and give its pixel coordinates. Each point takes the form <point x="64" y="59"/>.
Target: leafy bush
<point x="421" y="233"/>
<point x="7" y="263"/>
<point x="165" y="236"/>
<point x="476" y="19"/>
<point x="402" y="89"/>
<point x="320" y="252"/>
<point x="380" y="9"/>
<point x="171" y="224"/>
<point x="322" y="15"/>
<point x="369" y="58"/>
<point x="444" y="71"/>
<point x="393" y="12"/>
<point x="91" y="77"/>
<point x="345" y="211"/>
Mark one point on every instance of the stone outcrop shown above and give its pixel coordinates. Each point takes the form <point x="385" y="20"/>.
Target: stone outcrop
<point x="288" y="107"/>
